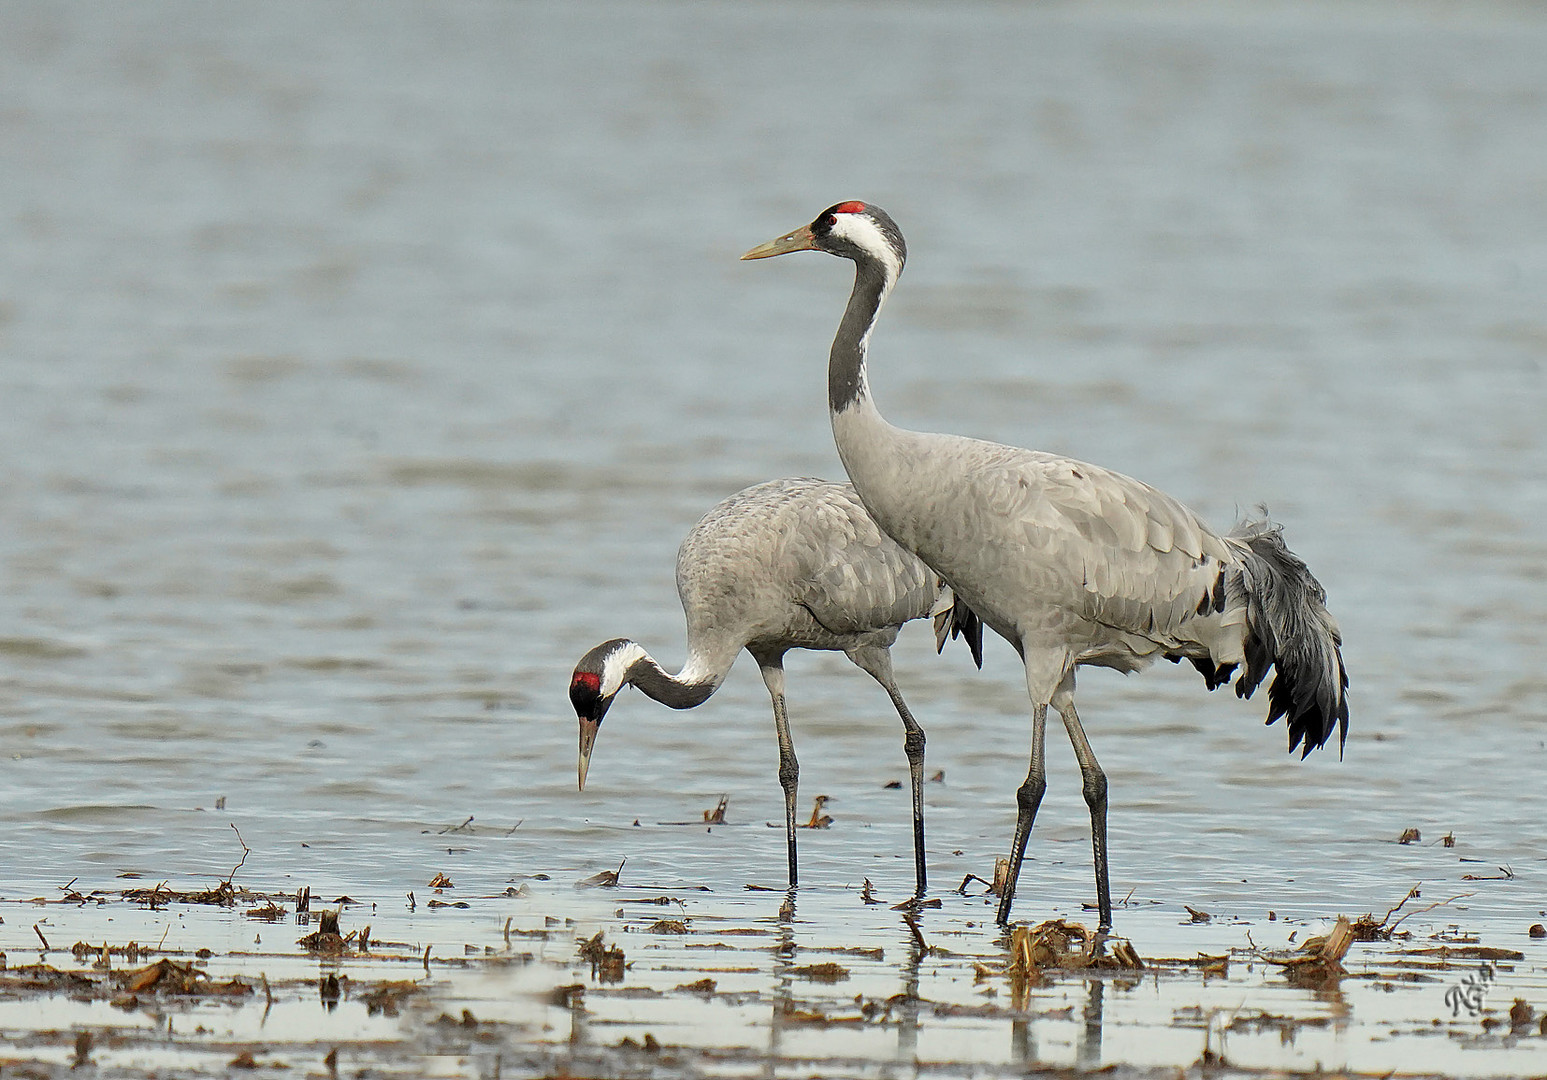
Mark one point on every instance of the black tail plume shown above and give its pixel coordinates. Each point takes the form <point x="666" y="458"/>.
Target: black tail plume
<point x="1289" y="629"/>
<point x="958" y="620"/>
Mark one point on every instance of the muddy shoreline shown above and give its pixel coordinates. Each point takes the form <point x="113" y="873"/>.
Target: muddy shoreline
<point x="593" y="977"/>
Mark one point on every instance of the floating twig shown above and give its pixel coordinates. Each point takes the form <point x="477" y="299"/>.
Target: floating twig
<point x="962" y="888"/>
<point x="819" y="820"/>
<point x="246" y="851"/>
<point x="607" y="879"/>
<point x="1506" y="873"/>
<point x="1431" y="907"/>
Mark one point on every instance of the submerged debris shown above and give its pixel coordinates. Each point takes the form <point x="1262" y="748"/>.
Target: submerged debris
<point x="1366" y="928"/>
<point x="961" y="890"/>
<point x="1506" y="873"/>
<point x="606" y="960"/>
<point x="172" y="977"/>
<point x="1319" y="960"/>
<point x="607" y="879"/>
<point x="1066" y="946"/>
<point x="792" y="1014"/>
<point x="1520" y="1015"/>
<point x="384" y="998"/>
<point x="269" y="912"/>
<point x="1467" y="952"/>
<point x="326" y="938"/>
<point x="819" y="820"/>
<point x="222" y="895"/>
<point x="569" y="996"/>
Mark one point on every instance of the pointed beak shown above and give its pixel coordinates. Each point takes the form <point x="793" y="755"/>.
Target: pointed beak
<point x="799" y="240"/>
<point x="588" y="730"/>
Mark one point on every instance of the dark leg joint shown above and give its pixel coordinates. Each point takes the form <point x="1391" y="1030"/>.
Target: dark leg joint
<point x="1095" y="789"/>
<point x="913" y="745"/>
<point x="1029" y="795"/>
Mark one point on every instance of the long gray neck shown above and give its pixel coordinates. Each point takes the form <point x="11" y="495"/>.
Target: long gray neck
<point x="672" y="691"/>
<point x="846" y="363"/>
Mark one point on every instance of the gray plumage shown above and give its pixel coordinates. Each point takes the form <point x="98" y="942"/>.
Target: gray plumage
<point x="1071" y="563"/>
<point x="788" y="564"/>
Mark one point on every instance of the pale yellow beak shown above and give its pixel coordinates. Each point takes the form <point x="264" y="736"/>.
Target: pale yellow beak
<point x="588" y="730"/>
<point x="799" y="240"/>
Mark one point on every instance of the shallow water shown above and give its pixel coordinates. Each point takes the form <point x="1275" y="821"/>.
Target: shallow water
<point x="363" y="366"/>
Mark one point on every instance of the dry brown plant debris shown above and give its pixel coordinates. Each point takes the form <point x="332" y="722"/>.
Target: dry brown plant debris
<point x="607" y="879"/>
<point x="606" y="961"/>
<point x="1320" y="959"/>
<point x="173" y="977"/>
<point x="1366" y="928"/>
<point x="326" y="938"/>
<point x="818" y="820"/>
<point x="1067" y="946"/>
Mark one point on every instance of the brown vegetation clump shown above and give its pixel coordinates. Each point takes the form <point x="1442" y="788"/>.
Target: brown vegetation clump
<point x="326" y="937"/>
<point x="172" y="977"/>
<point x="1067" y="946"/>
<point x="606" y="961"/>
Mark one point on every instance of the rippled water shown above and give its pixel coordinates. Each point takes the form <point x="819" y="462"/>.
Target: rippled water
<point x="361" y="366"/>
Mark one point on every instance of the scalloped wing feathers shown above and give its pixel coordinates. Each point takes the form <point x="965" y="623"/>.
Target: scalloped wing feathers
<point x="1131" y="561"/>
<point x="766" y="554"/>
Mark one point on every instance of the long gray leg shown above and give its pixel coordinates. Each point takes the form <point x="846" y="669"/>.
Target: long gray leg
<point x="772" y="668"/>
<point x="1094" y="787"/>
<point x="1027" y="798"/>
<point x="878" y="662"/>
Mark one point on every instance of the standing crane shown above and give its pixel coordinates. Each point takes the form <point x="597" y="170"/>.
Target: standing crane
<point x="787" y="564"/>
<point x="1071" y="563"/>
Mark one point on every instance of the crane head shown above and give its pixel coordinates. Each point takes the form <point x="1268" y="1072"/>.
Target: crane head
<point x="853" y="230"/>
<point x="597" y="679"/>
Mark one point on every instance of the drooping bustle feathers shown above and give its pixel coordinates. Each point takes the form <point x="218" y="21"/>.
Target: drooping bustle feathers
<point x="952" y="618"/>
<point x="1289" y="629"/>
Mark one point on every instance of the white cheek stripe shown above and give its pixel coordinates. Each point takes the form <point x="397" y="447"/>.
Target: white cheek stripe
<point x="859" y="230"/>
<point x="616" y="666"/>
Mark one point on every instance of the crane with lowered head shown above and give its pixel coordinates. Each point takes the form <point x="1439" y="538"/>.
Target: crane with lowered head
<point x="787" y="564"/>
